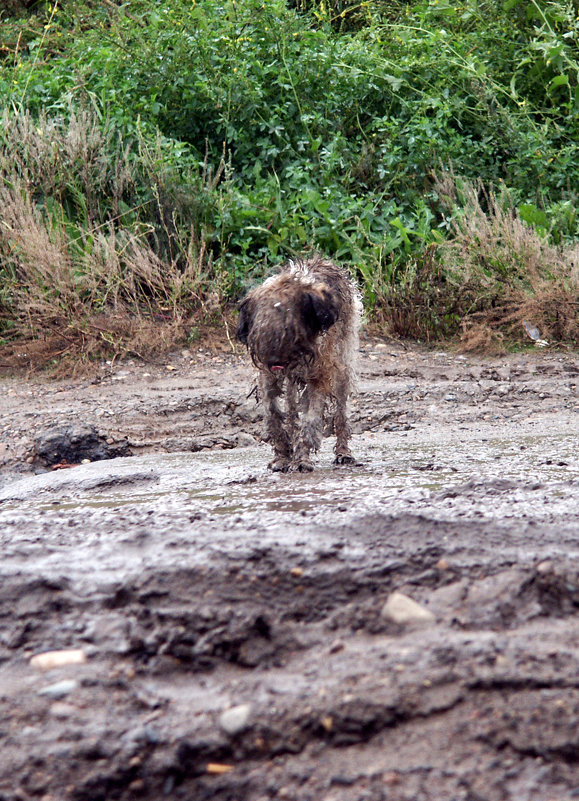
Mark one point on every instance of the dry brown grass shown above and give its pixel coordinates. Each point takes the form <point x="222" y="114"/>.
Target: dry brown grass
<point x="102" y="253"/>
<point x="82" y="274"/>
<point x="419" y="305"/>
<point x="491" y="275"/>
<point x="82" y="278"/>
<point x="506" y="271"/>
<point x="117" y="298"/>
<point x="78" y="159"/>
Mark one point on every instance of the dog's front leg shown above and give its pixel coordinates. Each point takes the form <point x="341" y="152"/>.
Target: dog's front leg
<point x="310" y="433"/>
<point x="271" y="388"/>
<point x="341" y="423"/>
<point x="292" y="401"/>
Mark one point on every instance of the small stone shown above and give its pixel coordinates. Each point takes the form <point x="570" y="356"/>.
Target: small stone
<point x="59" y="690"/>
<point x="218" y="769"/>
<point x="234" y="721"/>
<point x="399" y="608"/>
<point x="61" y="710"/>
<point x="327" y="723"/>
<point x="545" y="567"/>
<point x="296" y="572"/>
<point x="54" y="659"/>
<point x="243" y="440"/>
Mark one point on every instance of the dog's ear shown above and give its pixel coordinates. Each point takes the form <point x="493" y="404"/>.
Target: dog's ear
<point x="245" y="320"/>
<point x="320" y="312"/>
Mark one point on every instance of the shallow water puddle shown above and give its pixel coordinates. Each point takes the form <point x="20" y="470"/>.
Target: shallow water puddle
<point x="492" y="477"/>
<point x="131" y="514"/>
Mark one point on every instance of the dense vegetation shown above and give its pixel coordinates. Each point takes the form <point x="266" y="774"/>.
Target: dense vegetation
<point x="156" y="158"/>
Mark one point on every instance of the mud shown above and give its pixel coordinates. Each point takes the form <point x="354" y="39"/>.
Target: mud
<point x="233" y="621"/>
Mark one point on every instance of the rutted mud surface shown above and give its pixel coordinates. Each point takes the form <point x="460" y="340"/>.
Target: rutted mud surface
<point x="237" y="639"/>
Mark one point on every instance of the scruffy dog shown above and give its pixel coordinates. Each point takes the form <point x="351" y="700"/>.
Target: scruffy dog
<point x="301" y="329"/>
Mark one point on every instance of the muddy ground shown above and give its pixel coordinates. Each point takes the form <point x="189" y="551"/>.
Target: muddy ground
<point x="233" y="630"/>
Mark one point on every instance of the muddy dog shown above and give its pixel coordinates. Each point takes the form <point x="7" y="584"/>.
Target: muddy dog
<point x="301" y="329"/>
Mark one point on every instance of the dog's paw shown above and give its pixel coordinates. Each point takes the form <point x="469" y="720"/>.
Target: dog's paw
<point x="303" y="466"/>
<point x="279" y="465"/>
<point x="344" y="458"/>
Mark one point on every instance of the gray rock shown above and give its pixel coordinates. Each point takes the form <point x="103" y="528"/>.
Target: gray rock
<point x="234" y="721"/>
<point x="61" y="710"/>
<point x="59" y="690"/>
<point x="243" y="440"/>
<point x="147" y="735"/>
<point x="74" y="444"/>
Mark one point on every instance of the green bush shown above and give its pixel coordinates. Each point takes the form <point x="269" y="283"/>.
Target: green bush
<point x="246" y="131"/>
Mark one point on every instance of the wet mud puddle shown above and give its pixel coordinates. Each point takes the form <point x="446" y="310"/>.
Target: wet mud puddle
<point x="126" y="514"/>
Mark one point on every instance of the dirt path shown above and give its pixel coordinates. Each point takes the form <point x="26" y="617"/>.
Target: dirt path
<point x="240" y="633"/>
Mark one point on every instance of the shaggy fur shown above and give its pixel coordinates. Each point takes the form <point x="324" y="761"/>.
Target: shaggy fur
<point x="301" y="329"/>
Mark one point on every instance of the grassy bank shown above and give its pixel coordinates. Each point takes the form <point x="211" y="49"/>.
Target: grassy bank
<point x="157" y="159"/>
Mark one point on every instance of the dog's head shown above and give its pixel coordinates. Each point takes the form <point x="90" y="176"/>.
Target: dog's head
<point x="280" y="321"/>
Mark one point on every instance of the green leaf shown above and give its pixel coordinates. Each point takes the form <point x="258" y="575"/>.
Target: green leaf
<point x="444" y="7"/>
<point x="530" y="214"/>
<point x="394" y="82"/>
<point x="559" y="80"/>
<point x="397" y="223"/>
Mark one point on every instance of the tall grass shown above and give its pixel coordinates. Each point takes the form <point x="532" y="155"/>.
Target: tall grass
<point x="491" y="274"/>
<point x="505" y="270"/>
<point x="87" y="268"/>
<point x="92" y="268"/>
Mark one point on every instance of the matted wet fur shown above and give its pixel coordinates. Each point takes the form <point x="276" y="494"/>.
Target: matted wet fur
<point x="301" y="329"/>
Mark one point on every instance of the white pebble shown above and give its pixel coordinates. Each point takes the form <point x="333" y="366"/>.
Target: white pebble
<point x="54" y="659"/>
<point x="233" y="721"/>
<point x="401" y="609"/>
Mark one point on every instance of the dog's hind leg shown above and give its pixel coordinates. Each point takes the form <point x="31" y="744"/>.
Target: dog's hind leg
<point x="342" y="428"/>
<point x="275" y="431"/>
